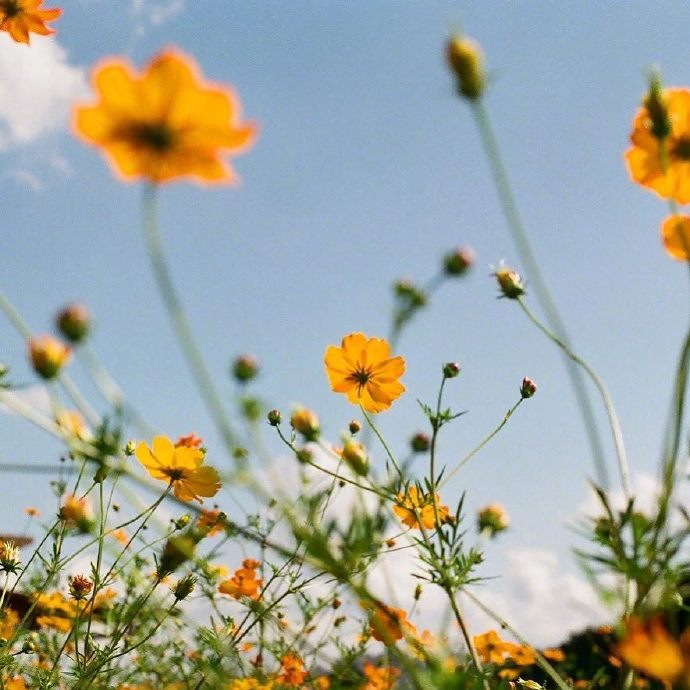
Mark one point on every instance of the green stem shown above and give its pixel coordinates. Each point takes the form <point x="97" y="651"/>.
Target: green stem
<point x="179" y="320"/>
<point x="541" y="290"/>
<point x="390" y="455"/>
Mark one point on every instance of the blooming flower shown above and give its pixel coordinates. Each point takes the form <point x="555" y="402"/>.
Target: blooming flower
<point x="292" y="671"/>
<point x="181" y="466"/>
<point x="21" y="17"/>
<point x="490" y="647"/>
<point x="388" y="624"/>
<point x="414" y="507"/>
<point x="164" y="123"/>
<point x="363" y="369"/>
<point x="244" y="582"/>
<point x="669" y="178"/>
<point x="383" y="678"/>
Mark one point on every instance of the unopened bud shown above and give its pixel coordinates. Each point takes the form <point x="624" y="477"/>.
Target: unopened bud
<point x="492" y="519"/>
<point x="465" y="60"/>
<point x="355" y="427"/>
<point x="74" y="322"/>
<point x="274" y="417"/>
<point x="417" y="592"/>
<point x="406" y="291"/>
<point x="451" y="370"/>
<point x="420" y="442"/>
<point x="510" y="283"/>
<point x="304" y="455"/>
<point x="528" y="388"/>
<point x="458" y="262"/>
<point x="355" y="455"/>
<point x="130" y="448"/>
<point x="245" y="368"/>
<point x="305" y="422"/>
<point x="48" y="355"/>
<point x="182" y="521"/>
<point x="184" y="587"/>
<point x="655" y="104"/>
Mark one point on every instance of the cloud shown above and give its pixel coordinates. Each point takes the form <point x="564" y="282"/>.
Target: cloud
<point x="149" y="13"/>
<point x="26" y="178"/>
<point x="37" y="88"/>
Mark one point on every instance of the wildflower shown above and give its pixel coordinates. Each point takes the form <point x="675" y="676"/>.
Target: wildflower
<point x="48" y="355"/>
<point x="465" y="60"/>
<point x="322" y="683"/>
<point x="354" y="426"/>
<point x="293" y="672"/>
<point x="245" y="368"/>
<point x="77" y="512"/>
<point x="451" y="370"/>
<point x="420" y="442"/>
<point x="387" y="624"/>
<point x="355" y="455"/>
<point x="650" y="648"/>
<point x="121" y="536"/>
<point x="415" y="508"/>
<point x="73" y="424"/>
<point x="184" y="587"/>
<point x="509" y="282"/>
<point x="663" y="164"/>
<point x="675" y="234"/>
<point x="528" y="388"/>
<point x="492" y="519"/>
<point x="21" y="17"/>
<point x="244" y="582"/>
<point x="520" y="654"/>
<point x="274" y="417"/>
<point x="165" y="123"/>
<point x="553" y="654"/>
<point x="9" y="557"/>
<point x="306" y="423"/>
<point x="383" y="678"/>
<point x="74" y="322"/>
<point x="32" y="512"/>
<point x="212" y="522"/>
<point x="490" y="647"/>
<point x="249" y="684"/>
<point x="363" y="369"/>
<point x="181" y="466"/>
<point x="189" y="441"/>
<point x="458" y="262"/>
<point x="79" y="587"/>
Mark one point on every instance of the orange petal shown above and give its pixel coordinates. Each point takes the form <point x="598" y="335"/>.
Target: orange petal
<point x="675" y="234"/>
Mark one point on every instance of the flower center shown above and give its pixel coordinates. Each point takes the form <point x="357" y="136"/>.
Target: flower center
<point x="361" y="376"/>
<point x="682" y="149"/>
<point x="10" y="8"/>
<point x="174" y="474"/>
<point x="155" y="135"/>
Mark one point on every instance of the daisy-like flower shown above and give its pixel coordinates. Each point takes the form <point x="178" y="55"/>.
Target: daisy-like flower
<point x="244" y="583"/>
<point x="22" y="17"/>
<point x="363" y="369"/>
<point x="181" y="466"/>
<point x="670" y="179"/>
<point x="165" y="123"/>
<point x="415" y="507"/>
<point x="388" y="624"/>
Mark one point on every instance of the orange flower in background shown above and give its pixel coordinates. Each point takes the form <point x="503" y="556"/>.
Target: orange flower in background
<point x="22" y="17"/>
<point x="414" y="508"/>
<point x="645" y="159"/>
<point x="190" y="441"/>
<point x="212" y="522"/>
<point x="383" y="678"/>
<point x="675" y="234"/>
<point x="73" y="424"/>
<point x="490" y="647"/>
<point x="363" y="369"/>
<point x="292" y="671"/>
<point x="244" y="582"/>
<point x="164" y="123"/>
<point x="181" y="466"/>
<point x="388" y="624"/>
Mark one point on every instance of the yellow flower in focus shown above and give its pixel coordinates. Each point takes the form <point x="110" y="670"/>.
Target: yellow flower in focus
<point x="181" y="466"/>
<point x="21" y="17"/>
<point x="363" y="369"/>
<point x="414" y="508"/>
<point x="164" y="123"/>
<point x="670" y="180"/>
<point x="650" y="648"/>
<point x="675" y="234"/>
<point x="48" y="355"/>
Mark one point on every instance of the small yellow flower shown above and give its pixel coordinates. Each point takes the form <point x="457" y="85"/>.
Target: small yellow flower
<point x="364" y="371"/>
<point x="492" y="519"/>
<point x="48" y="355"/>
<point x="466" y="61"/>
<point x="181" y="466"/>
<point x="21" y="17"/>
<point x="414" y="508"/>
<point x="293" y="672"/>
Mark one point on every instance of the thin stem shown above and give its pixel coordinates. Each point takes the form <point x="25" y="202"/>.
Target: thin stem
<point x="390" y="455"/>
<point x="541" y="290"/>
<point x="606" y="398"/>
<point x="178" y="318"/>
<point x="466" y="635"/>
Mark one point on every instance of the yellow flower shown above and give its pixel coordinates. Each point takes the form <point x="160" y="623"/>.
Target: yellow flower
<point x="363" y="369"/>
<point x="181" y="466"/>
<point x="21" y="17"/>
<point x="164" y="123"/>
<point x="48" y="355"/>
<point x="675" y="234"/>
<point x="490" y="647"/>
<point x="244" y="582"/>
<point x="412" y="501"/>
<point x="644" y="158"/>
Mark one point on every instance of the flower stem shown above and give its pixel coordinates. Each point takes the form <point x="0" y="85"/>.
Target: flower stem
<point x="390" y="455"/>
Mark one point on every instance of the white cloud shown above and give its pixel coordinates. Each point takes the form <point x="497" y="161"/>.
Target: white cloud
<point x="37" y="88"/>
<point x="149" y="13"/>
<point x="26" y="179"/>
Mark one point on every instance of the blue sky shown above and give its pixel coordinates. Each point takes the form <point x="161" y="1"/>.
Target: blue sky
<point x="367" y="168"/>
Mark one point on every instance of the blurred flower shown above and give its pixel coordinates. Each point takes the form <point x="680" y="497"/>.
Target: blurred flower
<point x="32" y="512"/>
<point x="181" y="466"/>
<point x="48" y="355"/>
<point x="414" y="507"/>
<point x="459" y="261"/>
<point x="77" y="512"/>
<point x="553" y="654"/>
<point x="164" y="123"/>
<point x="509" y="282"/>
<point x="292" y="669"/>
<point x="490" y="647"/>
<point x="189" y="441"/>
<point x="73" y="424"/>
<point x="363" y="369"/>
<point x="675" y="234"/>
<point x="492" y="519"/>
<point x="74" y="322"/>
<point x="388" y="624"/>
<point x="663" y="165"/>
<point x="305" y="422"/>
<point x="420" y="442"/>
<point x="121" y="536"/>
<point x="244" y="582"/>
<point x="245" y="368"/>
<point x="211" y="522"/>
<point x="21" y="17"/>
<point x="465" y="60"/>
<point x="355" y="455"/>
<point x="383" y="678"/>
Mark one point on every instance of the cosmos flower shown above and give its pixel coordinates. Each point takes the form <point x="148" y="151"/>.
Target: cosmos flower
<point x="22" y="17"/>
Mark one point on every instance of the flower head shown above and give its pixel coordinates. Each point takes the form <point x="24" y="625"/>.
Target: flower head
<point x="363" y="369"/>
<point x="77" y="512"/>
<point x="244" y="582"/>
<point x="663" y="164"/>
<point x="181" y="466"/>
<point x="388" y="624"/>
<point x="292" y="669"/>
<point x="48" y="355"/>
<point x="74" y="322"/>
<point x="21" y="17"/>
<point x="383" y="678"/>
<point x="675" y="234"/>
<point x="164" y="123"/>
<point x="466" y="61"/>
<point x="492" y="519"/>
<point x="417" y="509"/>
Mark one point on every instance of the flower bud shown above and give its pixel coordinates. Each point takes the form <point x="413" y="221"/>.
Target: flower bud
<point x="9" y="557"/>
<point x="355" y="427"/>
<point x="355" y="455"/>
<point x="510" y="283"/>
<point x="465" y="60"/>
<point x="655" y="104"/>
<point x="451" y="370"/>
<point x="420" y="442"/>
<point x="182" y="521"/>
<point x="304" y="455"/>
<point x="528" y="388"/>
<point x="305" y="422"/>
<point x="274" y="417"/>
<point x="245" y="368"/>
<point x="48" y="355"/>
<point x="79" y="587"/>
<point x="458" y="262"/>
<point x="406" y="291"/>
<point x="184" y="587"/>
<point x="74" y="322"/>
<point x="492" y="519"/>
<point x="130" y="448"/>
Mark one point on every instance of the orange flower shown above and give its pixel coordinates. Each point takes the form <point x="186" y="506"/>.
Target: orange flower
<point x="363" y="369"/>
<point x="181" y="466"/>
<point x="244" y="582"/>
<point x="190" y="441"/>
<point x="414" y="508"/>
<point x="292" y="671"/>
<point x="20" y="17"/>
<point x="77" y="512"/>
<point x="388" y="625"/>
<point x="554" y="654"/>
<point x="211" y="522"/>
<point x="675" y="234"/>
<point x="48" y="355"/>
<point x="490" y="647"/>
<point x="644" y="158"/>
<point x="380" y="678"/>
<point x="164" y="123"/>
